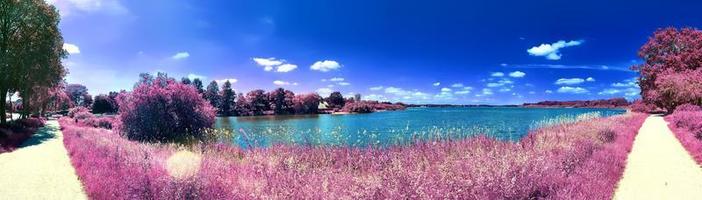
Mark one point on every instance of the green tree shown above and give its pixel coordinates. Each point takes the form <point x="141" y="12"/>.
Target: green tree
<point x="227" y="105"/>
<point x="212" y="94"/>
<point x="31" y="49"/>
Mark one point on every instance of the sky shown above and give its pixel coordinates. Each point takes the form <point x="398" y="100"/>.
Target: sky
<point x="456" y="52"/>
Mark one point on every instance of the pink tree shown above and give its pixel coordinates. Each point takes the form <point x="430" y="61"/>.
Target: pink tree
<point x="670" y="52"/>
<point x="164" y="111"/>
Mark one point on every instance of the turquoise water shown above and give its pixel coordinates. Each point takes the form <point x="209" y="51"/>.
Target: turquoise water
<point x="393" y="128"/>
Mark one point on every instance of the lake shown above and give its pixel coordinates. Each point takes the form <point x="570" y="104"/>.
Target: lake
<point x="394" y="127"/>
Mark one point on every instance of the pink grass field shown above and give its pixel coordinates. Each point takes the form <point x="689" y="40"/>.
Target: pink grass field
<point x="584" y="160"/>
<point x="687" y="127"/>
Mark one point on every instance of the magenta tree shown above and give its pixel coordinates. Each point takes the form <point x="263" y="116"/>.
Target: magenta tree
<point x="281" y="101"/>
<point x="669" y="75"/>
<point x="306" y="103"/>
<point x="164" y="111"/>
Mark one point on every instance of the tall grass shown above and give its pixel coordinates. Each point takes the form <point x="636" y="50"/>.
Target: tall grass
<point x="687" y="127"/>
<point x="582" y="160"/>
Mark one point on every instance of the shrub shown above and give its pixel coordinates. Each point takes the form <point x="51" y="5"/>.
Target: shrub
<point x="358" y="107"/>
<point x="164" y="111"/>
<point x="80" y="109"/>
<point x="688" y="108"/>
<point x="15" y="133"/>
<point x="104" y="104"/>
<point x="642" y="107"/>
<point x="686" y="124"/>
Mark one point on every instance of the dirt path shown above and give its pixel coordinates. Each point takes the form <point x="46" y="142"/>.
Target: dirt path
<point x="41" y="169"/>
<point x="659" y="167"/>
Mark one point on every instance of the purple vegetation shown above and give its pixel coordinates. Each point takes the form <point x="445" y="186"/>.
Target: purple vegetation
<point x="686" y="124"/>
<point x="584" y="160"/>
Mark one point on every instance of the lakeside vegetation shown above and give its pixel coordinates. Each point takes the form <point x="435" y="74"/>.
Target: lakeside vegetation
<point x="582" y="160"/>
<point x="159" y="144"/>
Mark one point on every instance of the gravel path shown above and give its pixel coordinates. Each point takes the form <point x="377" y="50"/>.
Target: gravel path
<point x="41" y="169"/>
<point x="658" y="166"/>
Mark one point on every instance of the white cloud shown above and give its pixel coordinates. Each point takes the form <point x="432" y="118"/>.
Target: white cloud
<point x="286" y="68"/>
<point x="551" y="51"/>
<point x="590" y="79"/>
<point x="569" y="81"/>
<point x="376" y="88"/>
<point x="344" y="83"/>
<point x="629" y="92"/>
<point x="572" y="90"/>
<point x="181" y="55"/>
<point x="446" y="89"/>
<point x="548" y="91"/>
<point x="457" y="85"/>
<point x="267" y="61"/>
<point x="336" y="79"/>
<point x="497" y="74"/>
<point x="325" y="66"/>
<point x="517" y="74"/>
<point x="71" y="48"/>
<point x="626" y="83"/>
<point x="281" y="83"/>
<point x="69" y="7"/>
<point x="269" y="64"/>
<point x="324" y="91"/>
<point x="485" y="92"/>
<point x="462" y="92"/>
<point x="437" y="84"/>
<point x="231" y="80"/>
<point x="505" y="89"/>
<point x="396" y="91"/>
<point x="195" y="76"/>
<point x="500" y="83"/>
<point x="374" y="97"/>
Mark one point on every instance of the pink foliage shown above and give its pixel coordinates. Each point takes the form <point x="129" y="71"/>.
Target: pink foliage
<point x="164" y="112"/>
<point x="642" y="107"/>
<point x="670" y="74"/>
<point x="686" y="124"/>
<point x="14" y="134"/>
<point x="571" y="161"/>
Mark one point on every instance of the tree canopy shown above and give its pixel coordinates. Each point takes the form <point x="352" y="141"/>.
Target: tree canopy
<point x="31" y="49"/>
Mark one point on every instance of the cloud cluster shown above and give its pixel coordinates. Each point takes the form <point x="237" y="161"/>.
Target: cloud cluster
<point x="552" y="51"/>
<point x="282" y="83"/>
<point x="181" y="55"/>
<point x="517" y="74"/>
<point x="69" y="7"/>
<point x="572" y="90"/>
<point x="269" y="64"/>
<point x="325" y="66"/>
<point x="71" y="48"/>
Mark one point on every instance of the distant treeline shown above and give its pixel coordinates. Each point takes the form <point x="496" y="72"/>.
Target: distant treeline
<point x="458" y="105"/>
<point x="603" y="103"/>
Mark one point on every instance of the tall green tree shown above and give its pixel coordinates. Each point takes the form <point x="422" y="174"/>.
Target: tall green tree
<point x="31" y="49"/>
<point x="227" y="105"/>
<point x="212" y="94"/>
<point x="198" y="85"/>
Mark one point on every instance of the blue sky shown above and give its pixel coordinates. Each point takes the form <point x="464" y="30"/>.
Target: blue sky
<point x="463" y="52"/>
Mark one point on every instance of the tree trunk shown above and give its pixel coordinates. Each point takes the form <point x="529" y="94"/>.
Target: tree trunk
<point x="3" y="104"/>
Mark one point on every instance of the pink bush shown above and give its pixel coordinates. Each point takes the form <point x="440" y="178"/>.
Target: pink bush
<point x="80" y="109"/>
<point x="686" y="124"/>
<point x="642" y="107"/>
<point x="164" y="111"/>
<point x="12" y="135"/>
<point x="584" y="160"/>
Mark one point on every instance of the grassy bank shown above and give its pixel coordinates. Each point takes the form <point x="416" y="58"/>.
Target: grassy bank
<point x="582" y="160"/>
<point x="686" y="124"/>
<point x="13" y="134"/>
